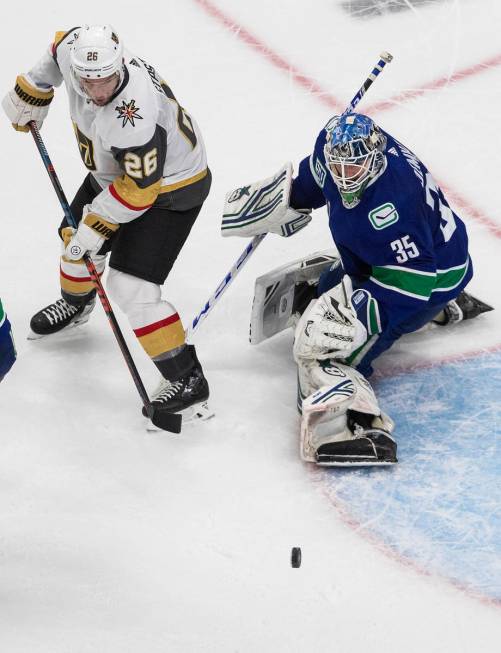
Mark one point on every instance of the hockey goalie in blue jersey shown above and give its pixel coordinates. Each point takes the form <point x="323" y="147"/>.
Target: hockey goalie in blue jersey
<point x="402" y="261"/>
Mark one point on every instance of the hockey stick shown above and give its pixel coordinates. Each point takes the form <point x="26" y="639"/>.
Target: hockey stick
<point x="384" y="58"/>
<point x="166" y="421"/>
<point x="223" y="286"/>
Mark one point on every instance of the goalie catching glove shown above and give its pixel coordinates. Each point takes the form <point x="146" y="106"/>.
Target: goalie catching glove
<point x="27" y="102"/>
<point x="329" y="327"/>
<point x="263" y="207"/>
<point x="90" y="236"/>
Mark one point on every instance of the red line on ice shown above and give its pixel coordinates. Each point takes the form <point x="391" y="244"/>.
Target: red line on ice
<point x="319" y="476"/>
<point x="334" y="103"/>
<point x="423" y="365"/>
<point x="440" y="82"/>
<point x="306" y="82"/>
<point x="313" y="87"/>
<point x="310" y="85"/>
<point x="474" y="213"/>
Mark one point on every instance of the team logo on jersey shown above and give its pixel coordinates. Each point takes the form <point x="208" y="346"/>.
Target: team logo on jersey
<point x="128" y="112"/>
<point x="86" y="148"/>
<point x="383" y="216"/>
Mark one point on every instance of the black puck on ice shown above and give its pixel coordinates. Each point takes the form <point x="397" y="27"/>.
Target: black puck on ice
<point x="296" y="557"/>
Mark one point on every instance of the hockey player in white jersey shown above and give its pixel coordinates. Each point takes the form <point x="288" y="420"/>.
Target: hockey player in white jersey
<point x="146" y="183"/>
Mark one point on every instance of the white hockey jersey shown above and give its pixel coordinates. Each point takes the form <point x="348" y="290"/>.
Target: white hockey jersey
<point x="142" y="147"/>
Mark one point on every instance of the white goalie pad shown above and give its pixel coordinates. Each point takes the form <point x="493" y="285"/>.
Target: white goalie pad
<point x="275" y="292"/>
<point x="325" y="393"/>
<point x="263" y="207"/>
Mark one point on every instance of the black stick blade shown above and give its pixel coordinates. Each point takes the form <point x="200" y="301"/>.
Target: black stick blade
<point x="166" y="421"/>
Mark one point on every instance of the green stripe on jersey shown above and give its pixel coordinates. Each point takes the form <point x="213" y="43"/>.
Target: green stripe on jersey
<point x="413" y="283"/>
<point x="2" y="314"/>
<point x="449" y="279"/>
<point x="373" y="322"/>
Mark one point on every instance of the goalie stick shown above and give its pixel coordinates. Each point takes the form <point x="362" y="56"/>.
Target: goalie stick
<point x="385" y="58"/>
<point x="225" y="283"/>
<point x="165" y="421"/>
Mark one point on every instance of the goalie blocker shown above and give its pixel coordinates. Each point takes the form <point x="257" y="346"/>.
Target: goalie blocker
<point x="282" y="295"/>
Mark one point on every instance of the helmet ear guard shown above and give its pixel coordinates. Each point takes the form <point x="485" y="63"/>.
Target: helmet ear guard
<point x="96" y="53"/>
<point x="354" y="154"/>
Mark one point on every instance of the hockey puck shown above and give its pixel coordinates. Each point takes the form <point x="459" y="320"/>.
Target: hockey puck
<point x="296" y="557"/>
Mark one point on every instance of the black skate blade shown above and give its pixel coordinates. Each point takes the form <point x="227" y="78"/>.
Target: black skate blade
<point x="480" y="307"/>
<point x="163" y="420"/>
<point x="337" y="461"/>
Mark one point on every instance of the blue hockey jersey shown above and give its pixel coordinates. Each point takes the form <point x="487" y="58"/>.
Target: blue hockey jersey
<point x="7" y="349"/>
<point x="402" y="245"/>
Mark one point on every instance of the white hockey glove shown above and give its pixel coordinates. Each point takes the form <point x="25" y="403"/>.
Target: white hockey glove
<point x="90" y="236"/>
<point x="329" y="328"/>
<point x="263" y="207"/>
<point x="27" y="102"/>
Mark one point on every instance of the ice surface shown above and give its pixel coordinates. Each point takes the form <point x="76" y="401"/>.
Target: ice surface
<point x="441" y="506"/>
<point x="112" y="539"/>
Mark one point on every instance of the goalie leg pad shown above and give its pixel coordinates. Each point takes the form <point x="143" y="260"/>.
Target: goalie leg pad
<point x="342" y="423"/>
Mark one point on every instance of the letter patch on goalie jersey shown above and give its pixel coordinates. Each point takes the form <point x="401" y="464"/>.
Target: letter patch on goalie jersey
<point x="383" y="216"/>
<point x="319" y="172"/>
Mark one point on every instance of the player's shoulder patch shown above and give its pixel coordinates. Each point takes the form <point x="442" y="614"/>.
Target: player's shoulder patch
<point x="318" y="170"/>
<point x="383" y="216"/>
<point x="128" y="112"/>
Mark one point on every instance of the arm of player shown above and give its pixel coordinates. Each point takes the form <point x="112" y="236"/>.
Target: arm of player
<point x="263" y="207"/>
<point x="307" y="187"/>
<point x="7" y="348"/>
<point x="32" y="94"/>
<point x="93" y="231"/>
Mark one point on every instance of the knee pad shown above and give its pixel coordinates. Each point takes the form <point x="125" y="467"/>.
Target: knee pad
<point x="129" y="292"/>
<point x="140" y="300"/>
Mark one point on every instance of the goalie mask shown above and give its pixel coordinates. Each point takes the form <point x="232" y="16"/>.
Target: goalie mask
<point x="96" y="54"/>
<point x="354" y="153"/>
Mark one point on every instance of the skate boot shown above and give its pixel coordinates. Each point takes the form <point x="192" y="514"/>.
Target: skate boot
<point x="187" y="396"/>
<point x="60" y="315"/>
<point x="464" y="307"/>
<point x="371" y="444"/>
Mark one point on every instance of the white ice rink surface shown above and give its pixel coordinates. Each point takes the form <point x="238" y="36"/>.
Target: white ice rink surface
<point x="115" y="540"/>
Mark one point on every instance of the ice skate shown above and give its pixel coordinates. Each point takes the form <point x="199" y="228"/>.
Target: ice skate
<point x="371" y="445"/>
<point x="58" y="316"/>
<point x="464" y="307"/>
<point x="187" y="397"/>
